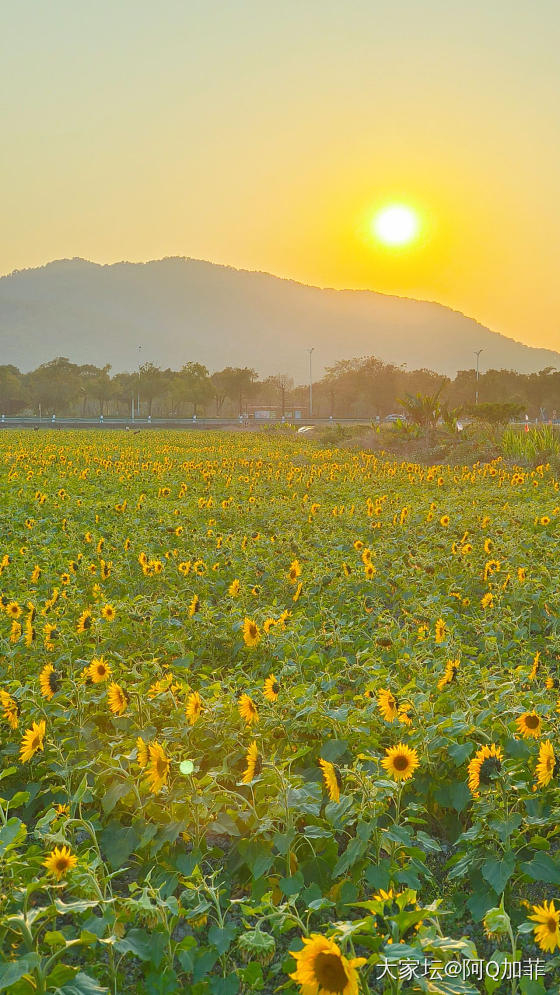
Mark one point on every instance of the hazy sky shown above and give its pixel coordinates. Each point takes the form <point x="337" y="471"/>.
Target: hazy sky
<point x="265" y="135"/>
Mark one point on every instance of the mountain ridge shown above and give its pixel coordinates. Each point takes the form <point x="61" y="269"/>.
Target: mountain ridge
<point x="179" y="308"/>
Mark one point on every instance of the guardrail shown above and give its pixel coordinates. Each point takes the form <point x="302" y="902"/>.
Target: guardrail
<point x="30" y="421"/>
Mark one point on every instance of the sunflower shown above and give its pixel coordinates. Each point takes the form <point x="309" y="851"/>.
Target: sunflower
<point x="487" y="600"/>
<point x="117" y="698"/>
<point x="33" y="739"/>
<point x="440" y="630"/>
<point x="11" y="709"/>
<point x="546" y="764"/>
<point x="321" y="969"/>
<point x="547" y="932"/>
<point x="108" y="613"/>
<point x="387" y="705"/>
<point x="194" y="707"/>
<point x="141" y="752"/>
<point x="529" y="725"/>
<point x="251" y="633"/>
<point x="536" y="664"/>
<point x="158" y="768"/>
<point x="254" y="764"/>
<point x="98" y="670"/>
<point x="85" y="621"/>
<point x="271" y="688"/>
<point x="486" y="763"/>
<point x="49" y="681"/>
<point x="234" y="588"/>
<point x="248" y="710"/>
<point x="194" y="606"/>
<point x="400" y="761"/>
<point x="332" y="779"/>
<point x="60" y="861"/>
<point x="294" y="572"/>
<point x="444" y="520"/>
<point x="451" y="668"/>
<point x="269" y="624"/>
<point x="12" y="609"/>
<point x="297" y="592"/>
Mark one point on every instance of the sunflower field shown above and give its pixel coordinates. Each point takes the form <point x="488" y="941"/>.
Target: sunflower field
<point x="275" y="718"/>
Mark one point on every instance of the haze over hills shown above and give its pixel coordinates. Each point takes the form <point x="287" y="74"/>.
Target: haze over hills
<point x="180" y="310"/>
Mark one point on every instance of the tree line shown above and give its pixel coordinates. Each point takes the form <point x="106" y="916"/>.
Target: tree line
<point x="362" y="388"/>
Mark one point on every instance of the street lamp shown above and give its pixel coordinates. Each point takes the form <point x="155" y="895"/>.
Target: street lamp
<point x="310" y="383"/>
<point x="138" y="402"/>
<point x="477" y="354"/>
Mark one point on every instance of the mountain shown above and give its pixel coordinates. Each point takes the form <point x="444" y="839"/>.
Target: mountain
<point x="180" y="310"/>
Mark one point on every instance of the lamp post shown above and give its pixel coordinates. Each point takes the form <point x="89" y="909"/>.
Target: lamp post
<point x="310" y="384"/>
<point x="477" y="354"/>
<point x="138" y="401"/>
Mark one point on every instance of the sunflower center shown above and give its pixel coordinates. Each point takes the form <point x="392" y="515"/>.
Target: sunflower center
<point x="532" y="721"/>
<point x="161" y="766"/>
<point x="61" y="864"/>
<point x="400" y="762"/>
<point x="489" y="768"/>
<point x="551" y="925"/>
<point x="330" y="973"/>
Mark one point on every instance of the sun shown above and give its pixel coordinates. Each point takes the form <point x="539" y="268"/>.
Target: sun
<point x="395" y="225"/>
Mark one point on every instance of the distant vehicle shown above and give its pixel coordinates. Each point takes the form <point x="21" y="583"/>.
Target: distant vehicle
<point x="393" y="418"/>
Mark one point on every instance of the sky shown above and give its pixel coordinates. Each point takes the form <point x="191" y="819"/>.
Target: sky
<point x="266" y="135"/>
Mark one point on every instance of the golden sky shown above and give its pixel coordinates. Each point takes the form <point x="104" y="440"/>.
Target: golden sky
<point x="265" y="135"/>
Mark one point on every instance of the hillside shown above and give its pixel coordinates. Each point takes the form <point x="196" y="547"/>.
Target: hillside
<point x="180" y="309"/>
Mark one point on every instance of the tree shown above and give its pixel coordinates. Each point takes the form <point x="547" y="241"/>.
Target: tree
<point x="495" y="413"/>
<point x="152" y="383"/>
<point x="236" y="383"/>
<point x="13" y="396"/>
<point x="97" y="383"/>
<point x="423" y="409"/>
<point x="54" y="386"/>
<point x="194" y="385"/>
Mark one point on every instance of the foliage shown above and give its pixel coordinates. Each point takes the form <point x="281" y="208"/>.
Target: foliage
<point x="220" y="614"/>
<point x="495" y="413"/>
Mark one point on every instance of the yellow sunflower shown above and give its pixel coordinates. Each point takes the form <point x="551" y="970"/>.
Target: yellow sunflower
<point x="248" y="710"/>
<point x="254" y="764"/>
<point x="141" y="752"/>
<point x="321" y="969"/>
<point x="486" y="763"/>
<point x="400" y="761"/>
<point x="85" y="621"/>
<point x="546" y="764"/>
<point x="234" y="588"/>
<point x="271" y="688"/>
<point x="194" y="707"/>
<point x="49" y="681"/>
<point x="158" y="768"/>
<point x="98" y="670"/>
<point x="109" y="613"/>
<point x="441" y="630"/>
<point x="11" y="709"/>
<point x="529" y="725"/>
<point x="60" y="861"/>
<point x="251" y="633"/>
<point x="332" y="779"/>
<point x="33" y="739"/>
<point x="194" y="606"/>
<point x="117" y="698"/>
<point x="387" y="705"/>
<point x="547" y="930"/>
<point x="451" y="668"/>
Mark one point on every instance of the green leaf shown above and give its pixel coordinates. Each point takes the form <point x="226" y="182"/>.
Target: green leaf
<point x="82" y="984"/>
<point x="543" y="868"/>
<point x="221" y="937"/>
<point x="355" y="849"/>
<point x="498" y="872"/>
<point x="15" y="969"/>
<point x="292" y="885"/>
<point x="225" y="986"/>
<point x="11" y="834"/>
<point x="114" y="793"/>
